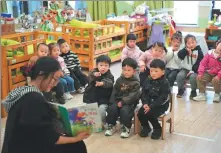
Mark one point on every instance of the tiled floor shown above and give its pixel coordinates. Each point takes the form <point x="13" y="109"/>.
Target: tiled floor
<point x="197" y="130"/>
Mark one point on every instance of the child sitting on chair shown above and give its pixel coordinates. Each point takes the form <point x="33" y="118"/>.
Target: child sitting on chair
<point x="155" y="99"/>
<point x="132" y="50"/>
<point x="100" y="85"/>
<point x="66" y="80"/>
<point x="42" y="50"/>
<point x="73" y="65"/>
<point x="124" y="99"/>
<point x="210" y="71"/>
<point x="191" y="57"/>
<point x="173" y="61"/>
<point x="155" y="51"/>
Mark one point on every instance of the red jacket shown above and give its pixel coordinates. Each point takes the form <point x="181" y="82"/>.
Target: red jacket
<point x="211" y="64"/>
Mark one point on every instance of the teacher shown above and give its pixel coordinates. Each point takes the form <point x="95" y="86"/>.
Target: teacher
<point x="29" y="127"/>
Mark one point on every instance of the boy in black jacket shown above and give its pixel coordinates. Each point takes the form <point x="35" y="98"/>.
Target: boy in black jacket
<point x="191" y="57"/>
<point x="100" y="85"/>
<point x="73" y="65"/>
<point x="155" y="99"/>
<point x="124" y="98"/>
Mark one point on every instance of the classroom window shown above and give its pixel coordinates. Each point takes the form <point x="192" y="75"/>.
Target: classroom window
<point x="186" y="12"/>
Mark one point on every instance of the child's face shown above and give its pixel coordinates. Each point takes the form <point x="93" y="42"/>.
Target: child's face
<point x="128" y="71"/>
<point x="131" y="43"/>
<point x="156" y="73"/>
<point x="42" y="51"/>
<point x="176" y="44"/>
<point x="218" y="48"/>
<point x="103" y="67"/>
<point x="65" y="48"/>
<point x="55" y="52"/>
<point x="191" y="43"/>
<point x="157" y="51"/>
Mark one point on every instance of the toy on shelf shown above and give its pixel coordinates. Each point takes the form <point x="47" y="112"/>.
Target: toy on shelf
<point x="162" y="26"/>
<point x="28" y="22"/>
<point x="215" y="23"/>
<point x="141" y="11"/>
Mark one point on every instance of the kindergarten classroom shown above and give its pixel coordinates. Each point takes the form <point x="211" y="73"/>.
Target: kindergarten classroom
<point x="94" y="28"/>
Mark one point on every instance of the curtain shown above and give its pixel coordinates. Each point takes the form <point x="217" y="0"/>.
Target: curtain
<point x="155" y="4"/>
<point x="99" y="9"/>
<point x="3" y="7"/>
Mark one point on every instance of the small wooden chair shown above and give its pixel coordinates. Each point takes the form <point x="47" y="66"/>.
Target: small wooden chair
<point x="167" y="117"/>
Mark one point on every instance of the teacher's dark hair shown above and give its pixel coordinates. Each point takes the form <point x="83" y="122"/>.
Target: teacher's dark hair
<point x="44" y="67"/>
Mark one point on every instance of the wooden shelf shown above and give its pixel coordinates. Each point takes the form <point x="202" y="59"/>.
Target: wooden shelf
<point x="211" y="32"/>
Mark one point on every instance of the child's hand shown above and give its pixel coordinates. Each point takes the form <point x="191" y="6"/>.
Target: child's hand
<point x="119" y="104"/>
<point x="146" y="108"/>
<point x="199" y="77"/>
<point x="191" y="72"/>
<point x="142" y="68"/>
<point x="98" y="84"/>
<point x="62" y="74"/>
<point x="189" y="51"/>
<point x="216" y="79"/>
<point x="97" y="74"/>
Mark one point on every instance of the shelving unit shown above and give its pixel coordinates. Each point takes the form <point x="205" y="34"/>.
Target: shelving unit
<point x="211" y="32"/>
<point x="89" y="43"/>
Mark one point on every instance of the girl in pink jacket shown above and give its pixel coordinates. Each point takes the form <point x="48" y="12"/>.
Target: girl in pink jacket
<point x="210" y="71"/>
<point x="132" y="50"/>
<point x="155" y="51"/>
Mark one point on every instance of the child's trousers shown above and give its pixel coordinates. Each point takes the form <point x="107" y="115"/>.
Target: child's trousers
<point x="144" y="75"/>
<point x="79" y="77"/>
<point x="171" y="75"/>
<point x="102" y="110"/>
<point x="68" y="83"/>
<point x="152" y="116"/>
<point x="58" y="89"/>
<point x="206" y="79"/>
<point x="126" y="113"/>
<point x="181" y="78"/>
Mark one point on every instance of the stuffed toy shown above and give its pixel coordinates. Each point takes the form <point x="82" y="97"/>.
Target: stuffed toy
<point x="141" y="11"/>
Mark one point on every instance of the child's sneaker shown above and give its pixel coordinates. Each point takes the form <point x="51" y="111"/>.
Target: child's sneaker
<point x="180" y="93"/>
<point x="49" y="96"/>
<point x="145" y="131"/>
<point x="216" y="98"/>
<point x="68" y="96"/>
<point x="193" y="94"/>
<point x="125" y="132"/>
<point x="200" y="97"/>
<point x="110" y="130"/>
<point x="156" y="134"/>
<point x="81" y="90"/>
<point x="72" y="92"/>
<point x="61" y="100"/>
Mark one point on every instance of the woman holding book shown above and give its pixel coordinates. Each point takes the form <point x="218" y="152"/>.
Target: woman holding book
<point x="29" y="127"/>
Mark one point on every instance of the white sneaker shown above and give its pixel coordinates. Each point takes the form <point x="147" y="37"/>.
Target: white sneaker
<point x="110" y="130"/>
<point x="200" y="97"/>
<point x="216" y="98"/>
<point x="125" y="132"/>
<point x="81" y="90"/>
<point x="68" y="96"/>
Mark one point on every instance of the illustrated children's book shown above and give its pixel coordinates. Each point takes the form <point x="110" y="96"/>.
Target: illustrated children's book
<point x="82" y="118"/>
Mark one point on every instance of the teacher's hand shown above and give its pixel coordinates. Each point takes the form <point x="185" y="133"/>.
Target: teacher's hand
<point x="83" y="135"/>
